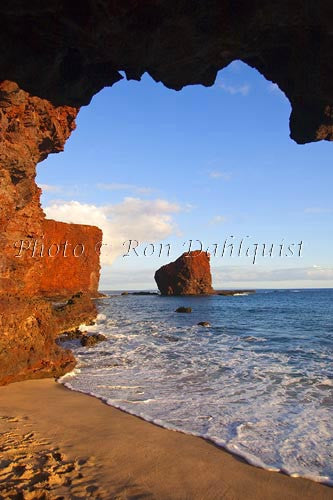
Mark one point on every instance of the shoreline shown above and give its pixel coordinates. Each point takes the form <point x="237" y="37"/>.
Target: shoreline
<point x="249" y="460"/>
<point x="110" y="452"/>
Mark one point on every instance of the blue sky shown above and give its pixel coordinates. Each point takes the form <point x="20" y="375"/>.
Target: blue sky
<point x="152" y="164"/>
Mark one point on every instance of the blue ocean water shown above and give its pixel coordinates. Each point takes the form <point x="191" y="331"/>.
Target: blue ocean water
<point x="258" y="382"/>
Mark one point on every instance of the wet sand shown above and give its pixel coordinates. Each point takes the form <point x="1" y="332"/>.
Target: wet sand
<point x="56" y="443"/>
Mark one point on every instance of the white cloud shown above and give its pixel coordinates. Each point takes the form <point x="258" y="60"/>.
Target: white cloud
<point x="218" y="219"/>
<point x="217" y="174"/>
<point x="49" y="188"/>
<point x="114" y="186"/>
<point x="318" y="210"/>
<point x="133" y="218"/>
<point x="243" y="89"/>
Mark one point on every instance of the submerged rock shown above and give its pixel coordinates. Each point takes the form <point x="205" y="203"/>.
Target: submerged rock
<point x="171" y="338"/>
<point x="204" y="323"/>
<point x="92" y="322"/>
<point x="184" y="310"/>
<point x="71" y="335"/>
<point x="188" y="275"/>
<point x="91" y="340"/>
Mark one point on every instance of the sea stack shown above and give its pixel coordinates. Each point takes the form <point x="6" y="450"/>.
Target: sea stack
<point x="188" y="275"/>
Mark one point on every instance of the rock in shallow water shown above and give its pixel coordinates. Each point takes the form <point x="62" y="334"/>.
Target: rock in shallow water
<point x="184" y="310"/>
<point x="29" y="327"/>
<point x="91" y="340"/>
<point x="188" y="275"/>
<point x="71" y="335"/>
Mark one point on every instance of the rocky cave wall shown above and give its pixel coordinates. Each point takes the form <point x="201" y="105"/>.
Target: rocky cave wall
<point x="55" y="56"/>
<point x="66" y="51"/>
<point x="30" y="129"/>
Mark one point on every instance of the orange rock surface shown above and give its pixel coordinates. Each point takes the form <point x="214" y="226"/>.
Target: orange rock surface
<point x="30" y="129"/>
<point x="28" y="331"/>
<point x="188" y="275"/>
<point x="72" y="267"/>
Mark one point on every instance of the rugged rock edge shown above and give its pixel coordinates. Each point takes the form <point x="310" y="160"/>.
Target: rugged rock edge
<point x="67" y="51"/>
<point x="30" y="129"/>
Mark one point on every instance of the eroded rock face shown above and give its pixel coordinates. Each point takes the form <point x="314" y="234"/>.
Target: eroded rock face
<point x="28" y="330"/>
<point x="67" y="51"/>
<point x="30" y="129"/>
<point x="188" y="275"/>
<point x="75" y="266"/>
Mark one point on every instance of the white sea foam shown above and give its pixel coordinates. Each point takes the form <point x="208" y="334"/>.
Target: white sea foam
<point x="76" y="371"/>
<point x="101" y="318"/>
<point x="327" y="381"/>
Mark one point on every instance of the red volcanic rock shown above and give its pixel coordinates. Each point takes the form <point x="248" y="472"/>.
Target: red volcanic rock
<point x="28" y="330"/>
<point x="30" y="129"/>
<point x="27" y="341"/>
<point x="188" y="275"/>
<point x="72" y="267"/>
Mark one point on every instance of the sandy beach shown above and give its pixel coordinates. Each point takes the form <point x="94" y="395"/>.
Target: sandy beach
<point x="56" y="443"/>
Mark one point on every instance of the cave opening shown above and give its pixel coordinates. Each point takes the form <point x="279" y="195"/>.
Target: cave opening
<point x="210" y="164"/>
<point x="154" y="165"/>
